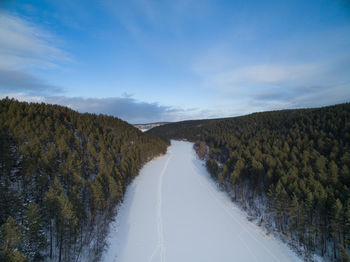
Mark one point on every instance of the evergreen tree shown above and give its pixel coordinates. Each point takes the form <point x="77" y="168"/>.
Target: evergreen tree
<point x="299" y="159"/>
<point x="49" y="155"/>
<point x="10" y="242"/>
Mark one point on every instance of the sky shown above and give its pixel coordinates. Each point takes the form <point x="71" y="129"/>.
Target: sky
<point x="161" y="60"/>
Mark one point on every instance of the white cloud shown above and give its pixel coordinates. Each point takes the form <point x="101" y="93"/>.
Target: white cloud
<point x="140" y="17"/>
<point x="24" y="44"/>
<point x="126" y="108"/>
<point x="22" y="97"/>
<point x="277" y="75"/>
<point x="300" y="69"/>
<point x="12" y="80"/>
<point x="271" y="86"/>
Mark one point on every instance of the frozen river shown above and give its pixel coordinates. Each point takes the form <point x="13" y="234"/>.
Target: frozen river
<point x="173" y="211"/>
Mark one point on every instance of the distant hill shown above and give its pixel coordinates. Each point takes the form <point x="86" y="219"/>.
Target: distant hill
<point x="61" y="176"/>
<point x="146" y="127"/>
<point x="289" y="168"/>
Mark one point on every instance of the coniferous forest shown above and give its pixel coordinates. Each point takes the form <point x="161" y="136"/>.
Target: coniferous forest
<point x="289" y="169"/>
<point x="62" y="174"/>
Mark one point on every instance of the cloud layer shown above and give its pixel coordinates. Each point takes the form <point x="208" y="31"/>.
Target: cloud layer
<point x="20" y="81"/>
<point x="23" y="48"/>
<point x="126" y="108"/>
<point x="218" y="58"/>
<point x="244" y="85"/>
<point x="24" y="44"/>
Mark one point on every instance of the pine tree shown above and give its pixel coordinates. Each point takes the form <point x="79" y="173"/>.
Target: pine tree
<point x="97" y="195"/>
<point x="293" y="213"/>
<point x="10" y="242"/>
<point x="66" y="223"/>
<point x="34" y="234"/>
<point x="337" y="226"/>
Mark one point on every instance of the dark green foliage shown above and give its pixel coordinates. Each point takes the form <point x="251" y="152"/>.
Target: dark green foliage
<point x="10" y="241"/>
<point x="296" y="160"/>
<point x="34" y="233"/>
<point x="61" y="175"/>
<point x="212" y="167"/>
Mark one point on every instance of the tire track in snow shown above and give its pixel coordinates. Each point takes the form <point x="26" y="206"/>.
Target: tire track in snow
<point x="160" y="230"/>
<point x="210" y="191"/>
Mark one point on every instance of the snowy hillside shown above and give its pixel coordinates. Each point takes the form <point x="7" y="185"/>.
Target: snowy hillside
<point x="174" y="212"/>
<point x="146" y="127"/>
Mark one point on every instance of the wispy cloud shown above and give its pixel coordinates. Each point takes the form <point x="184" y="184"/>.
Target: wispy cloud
<point x="269" y="96"/>
<point x="25" y="46"/>
<point x="126" y="108"/>
<point x="270" y="87"/>
<point x="12" y="80"/>
<point x="223" y="57"/>
<point x="275" y="75"/>
<point x="316" y="74"/>
<point x="145" y="18"/>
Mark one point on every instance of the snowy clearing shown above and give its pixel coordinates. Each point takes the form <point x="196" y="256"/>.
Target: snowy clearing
<point x="173" y="211"/>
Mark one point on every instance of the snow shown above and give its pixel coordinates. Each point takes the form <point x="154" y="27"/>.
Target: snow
<point x="173" y="211"/>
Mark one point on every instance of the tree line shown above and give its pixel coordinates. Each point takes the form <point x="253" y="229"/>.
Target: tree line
<point x="62" y="174"/>
<point x="289" y="169"/>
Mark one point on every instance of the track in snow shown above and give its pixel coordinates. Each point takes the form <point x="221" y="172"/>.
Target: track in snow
<point x="160" y="245"/>
<point x="174" y="212"/>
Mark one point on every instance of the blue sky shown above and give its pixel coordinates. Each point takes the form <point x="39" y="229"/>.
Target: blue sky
<point x="146" y="61"/>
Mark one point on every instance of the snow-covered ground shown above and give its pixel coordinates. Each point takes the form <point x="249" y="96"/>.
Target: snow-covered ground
<point x="173" y="211"/>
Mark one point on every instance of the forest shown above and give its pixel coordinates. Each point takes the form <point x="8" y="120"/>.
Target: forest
<point x="62" y="175"/>
<point x="289" y="169"/>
